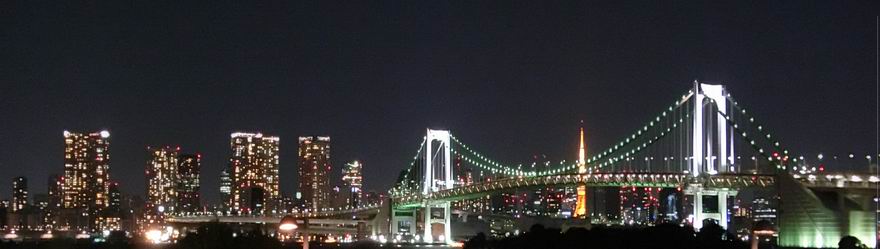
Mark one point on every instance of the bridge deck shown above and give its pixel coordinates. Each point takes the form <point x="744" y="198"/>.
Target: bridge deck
<point x="657" y="180"/>
<point x="665" y="180"/>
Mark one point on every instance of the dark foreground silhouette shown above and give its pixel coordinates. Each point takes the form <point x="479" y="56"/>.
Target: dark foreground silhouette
<point x="711" y="236"/>
<point x="661" y="236"/>
<point x="219" y="236"/>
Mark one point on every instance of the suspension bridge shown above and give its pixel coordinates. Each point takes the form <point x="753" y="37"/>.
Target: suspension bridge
<point x="709" y="144"/>
<point x="711" y="149"/>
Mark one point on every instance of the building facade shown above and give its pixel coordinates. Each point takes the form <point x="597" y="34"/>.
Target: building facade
<point x="86" y="175"/>
<point x="314" y="172"/>
<point x="188" y="185"/>
<point x="225" y="189"/>
<point x="352" y="182"/>
<point x="253" y="168"/>
<point x="53" y="194"/>
<point x="161" y="174"/>
<point x="114" y="205"/>
<point x="19" y="194"/>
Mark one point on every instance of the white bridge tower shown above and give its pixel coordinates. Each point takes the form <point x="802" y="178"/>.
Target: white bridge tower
<point x="712" y="152"/>
<point x="438" y="176"/>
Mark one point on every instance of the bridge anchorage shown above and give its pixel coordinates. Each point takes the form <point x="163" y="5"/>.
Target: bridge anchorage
<point x="700" y="152"/>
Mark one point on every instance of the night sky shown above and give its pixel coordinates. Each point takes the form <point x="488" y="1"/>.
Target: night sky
<point x="510" y="79"/>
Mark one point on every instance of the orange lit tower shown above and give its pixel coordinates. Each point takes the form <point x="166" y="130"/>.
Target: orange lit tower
<point x="580" y="210"/>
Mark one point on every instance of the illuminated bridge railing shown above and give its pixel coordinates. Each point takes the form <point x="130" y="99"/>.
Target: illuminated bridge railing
<point x="665" y="180"/>
<point x="272" y="218"/>
<point x="255" y="220"/>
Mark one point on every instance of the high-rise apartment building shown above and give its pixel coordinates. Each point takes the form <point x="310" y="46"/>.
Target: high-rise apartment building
<point x="19" y="194"/>
<point x="253" y="169"/>
<point x="352" y="181"/>
<point x="188" y="199"/>
<point x="114" y="201"/>
<point x="54" y="191"/>
<point x="53" y="195"/>
<point x="111" y="217"/>
<point x="84" y="188"/>
<point x="225" y="189"/>
<point x="314" y="172"/>
<point x="161" y="173"/>
<point x="86" y="170"/>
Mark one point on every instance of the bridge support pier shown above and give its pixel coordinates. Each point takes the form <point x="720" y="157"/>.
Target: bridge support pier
<point x="438" y="176"/>
<point x="438" y="213"/>
<point x="709" y="203"/>
<point x="403" y="221"/>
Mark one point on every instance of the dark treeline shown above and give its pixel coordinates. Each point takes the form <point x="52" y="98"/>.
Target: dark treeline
<point x="671" y="236"/>
<point x="207" y="236"/>
<point x="220" y="236"/>
<point x="661" y="236"/>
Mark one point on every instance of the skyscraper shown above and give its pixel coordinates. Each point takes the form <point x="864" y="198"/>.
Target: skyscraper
<point x="253" y="169"/>
<point x="314" y="172"/>
<point x="352" y="182"/>
<point x="54" y="200"/>
<point x="161" y="173"/>
<point x="86" y="165"/>
<point x="86" y="174"/>
<point x="188" y="199"/>
<point x="225" y="189"/>
<point x="111" y="217"/>
<point x="114" y="201"/>
<point x="19" y="194"/>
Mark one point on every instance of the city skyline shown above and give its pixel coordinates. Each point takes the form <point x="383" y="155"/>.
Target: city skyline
<point x="493" y="84"/>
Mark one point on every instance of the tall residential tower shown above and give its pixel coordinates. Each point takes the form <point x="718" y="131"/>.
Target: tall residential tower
<point x="253" y="168"/>
<point x="352" y="180"/>
<point x="86" y="176"/>
<point x="188" y="198"/>
<point x="19" y="193"/>
<point x="161" y="173"/>
<point x="314" y="172"/>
